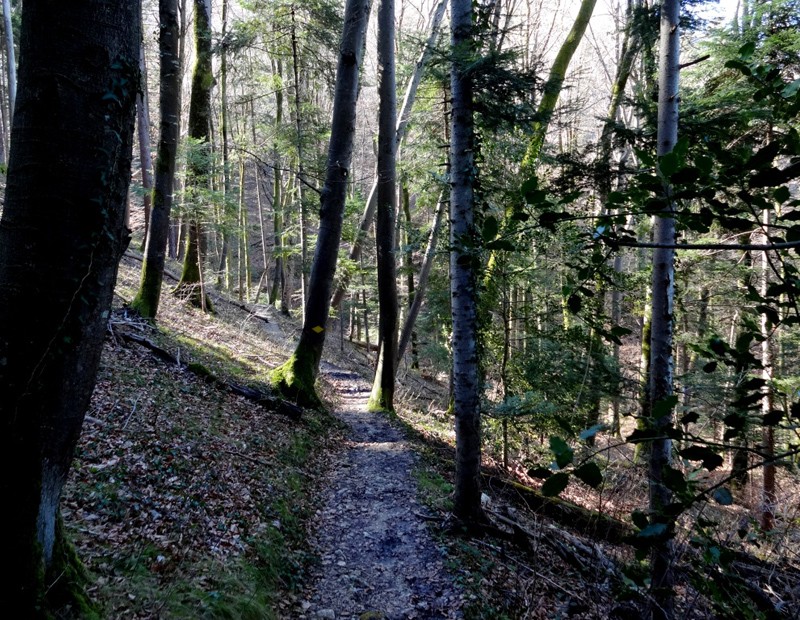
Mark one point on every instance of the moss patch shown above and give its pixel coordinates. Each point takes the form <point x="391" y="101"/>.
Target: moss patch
<point x="295" y="379"/>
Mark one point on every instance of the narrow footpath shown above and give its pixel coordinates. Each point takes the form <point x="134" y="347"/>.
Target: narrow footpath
<point x="378" y="560"/>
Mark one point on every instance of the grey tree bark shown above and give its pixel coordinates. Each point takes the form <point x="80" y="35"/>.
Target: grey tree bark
<point x="10" y="60"/>
<point x="422" y="281"/>
<point x="147" y="299"/>
<point x="62" y="234"/>
<point x="382" y="396"/>
<point x="145" y="157"/>
<point x="402" y="124"/>
<point x="663" y="287"/>
<point x="297" y="376"/>
<point x="190" y="285"/>
<point x="463" y="289"/>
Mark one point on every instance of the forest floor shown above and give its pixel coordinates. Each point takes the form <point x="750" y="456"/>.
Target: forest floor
<point x="189" y="500"/>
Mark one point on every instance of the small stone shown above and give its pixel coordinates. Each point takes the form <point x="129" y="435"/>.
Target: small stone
<point x="326" y="614"/>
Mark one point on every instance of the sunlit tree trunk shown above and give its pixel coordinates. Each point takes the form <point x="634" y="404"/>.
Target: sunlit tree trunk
<point x="145" y="158"/>
<point x="663" y="284"/>
<point x="147" y="299"/>
<point x="301" y="179"/>
<point x="297" y="376"/>
<point x="555" y="81"/>
<point x="224" y="268"/>
<point x="62" y="235"/>
<point x="463" y="289"/>
<point x="11" y="64"/>
<point x="198" y="170"/>
<point x="402" y="124"/>
<point x="422" y="280"/>
<point x="382" y="396"/>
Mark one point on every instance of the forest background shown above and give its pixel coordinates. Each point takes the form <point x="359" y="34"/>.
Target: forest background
<point x="572" y="188"/>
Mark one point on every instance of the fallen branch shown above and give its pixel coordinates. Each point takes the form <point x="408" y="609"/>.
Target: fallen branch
<point x="594" y="524"/>
<point x="269" y="402"/>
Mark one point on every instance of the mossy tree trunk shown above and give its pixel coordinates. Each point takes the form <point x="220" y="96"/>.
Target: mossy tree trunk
<point x="147" y="299"/>
<point x="62" y="234"/>
<point x="190" y="286"/>
<point x="382" y="396"/>
<point x="296" y="377"/>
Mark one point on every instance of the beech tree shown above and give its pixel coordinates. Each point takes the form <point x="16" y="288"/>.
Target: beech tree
<point x="191" y="284"/>
<point x="297" y="375"/>
<point x="382" y="396"/>
<point x="147" y="299"/>
<point x="61" y="236"/>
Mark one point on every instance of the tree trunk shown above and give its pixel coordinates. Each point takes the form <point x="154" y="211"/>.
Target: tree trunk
<point x="767" y="404"/>
<point x="198" y="171"/>
<point x="300" y="172"/>
<point x="297" y="375"/>
<point x="402" y="124"/>
<point x="555" y="82"/>
<point x="663" y="283"/>
<point x="382" y="396"/>
<point x="61" y="237"/>
<point x="147" y="299"/>
<point x="223" y="268"/>
<point x="11" y="65"/>
<point x="463" y="289"/>
<point x="422" y="281"/>
<point x="145" y="158"/>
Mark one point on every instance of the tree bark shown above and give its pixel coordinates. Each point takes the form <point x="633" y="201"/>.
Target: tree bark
<point x="555" y="81"/>
<point x="61" y="237"/>
<point x="422" y="281"/>
<point x="190" y="286"/>
<point x="402" y="124"/>
<point x="145" y="156"/>
<point x="767" y="403"/>
<point x="147" y="299"/>
<point x="663" y="285"/>
<point x="382" y="396"/>
<point x="463" y="289"/>
<point x="11" y="64"/>
<point x="297" y="375"/>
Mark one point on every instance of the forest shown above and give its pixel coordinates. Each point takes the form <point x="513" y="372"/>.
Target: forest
<point x="466" y="309"/>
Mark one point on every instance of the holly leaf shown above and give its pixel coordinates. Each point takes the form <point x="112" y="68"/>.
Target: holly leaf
<point x="711" y="460"/>
<point x="555" y="484"/>
<point x="590" y="474"/>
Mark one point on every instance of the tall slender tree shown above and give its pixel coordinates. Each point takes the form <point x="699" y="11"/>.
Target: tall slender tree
<point x="663" y="287"/>
<point x="62" y="234"/>
<point x="147" y="299"/>
<point x="402" y="125"/>
<point x="298" y="374"/>
<point x="190" y="285"/>
<point x="11" y="63"/>
<point x="463" y="289"/>
<point x="382" y="396"/>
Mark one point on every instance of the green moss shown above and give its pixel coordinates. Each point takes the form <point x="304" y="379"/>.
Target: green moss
<point x="376" y="402"/>
<point x="66" y="595"/>
<point x="295" y="379"/>
<point x="199" y="369"/>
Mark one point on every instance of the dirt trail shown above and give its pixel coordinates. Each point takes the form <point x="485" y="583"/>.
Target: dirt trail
<point x="378" y="559"/>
